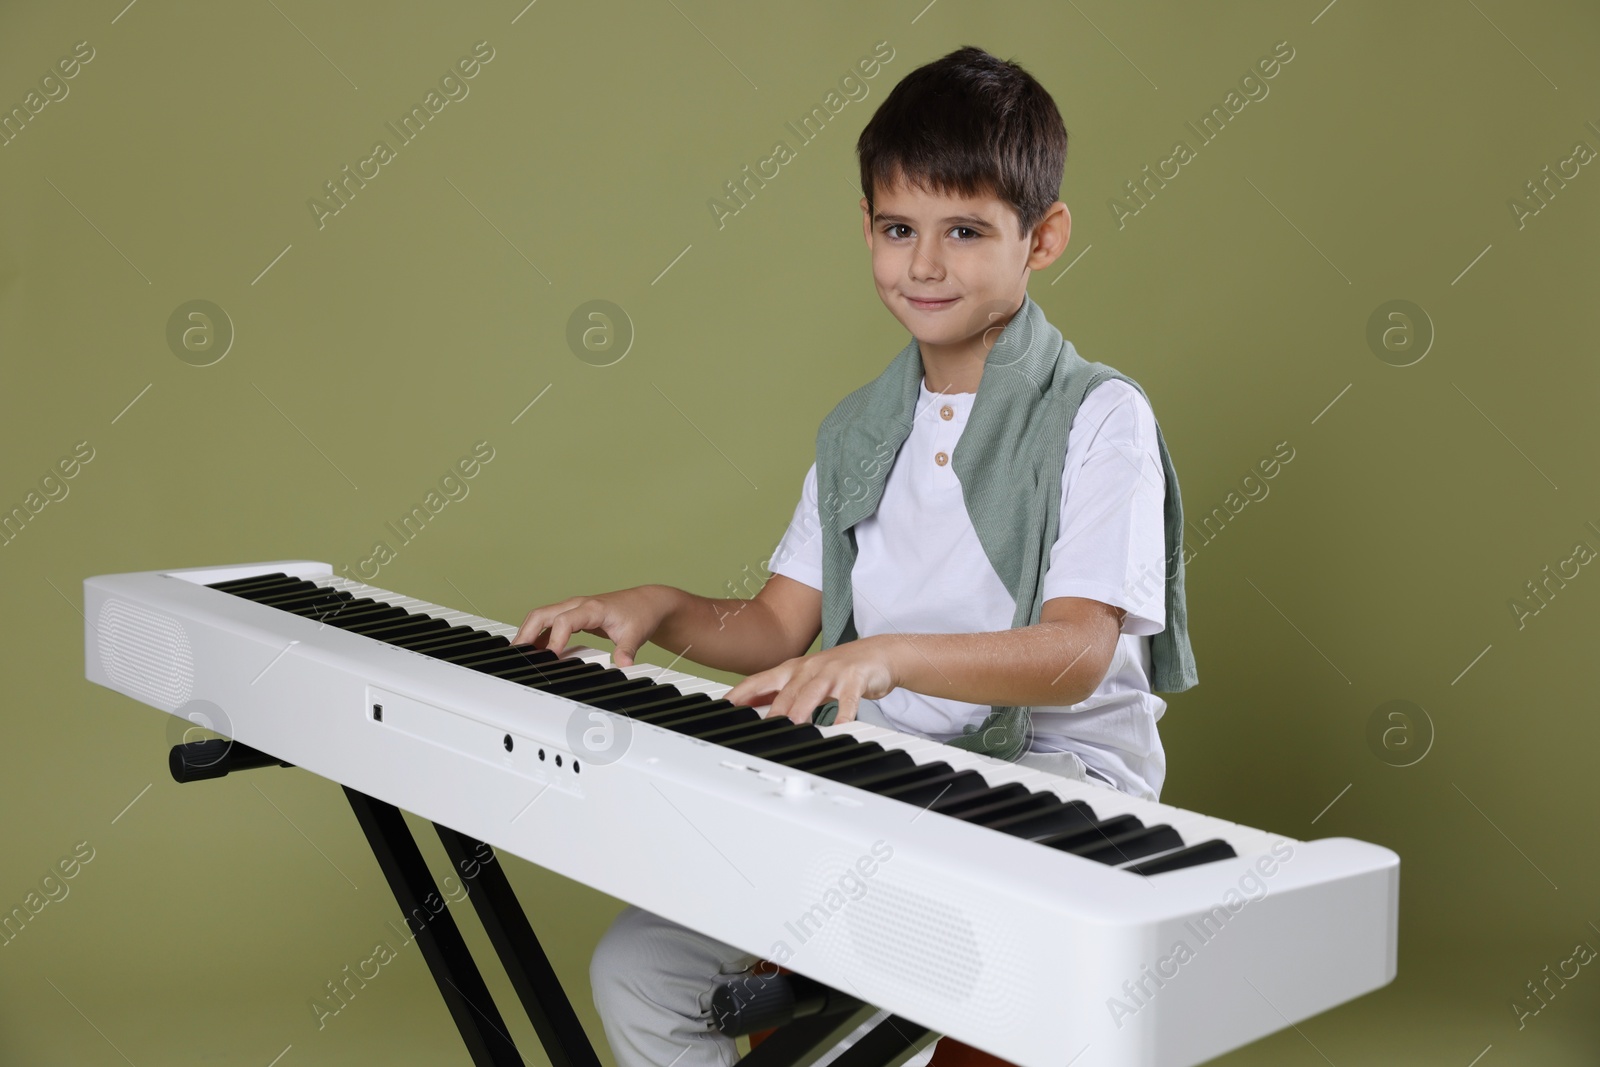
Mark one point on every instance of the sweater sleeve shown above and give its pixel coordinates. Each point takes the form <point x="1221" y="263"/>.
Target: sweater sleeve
<point x="799" y="553"/>
<point x="1111" y="542"/>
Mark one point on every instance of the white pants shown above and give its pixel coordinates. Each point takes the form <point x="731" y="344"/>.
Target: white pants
<point x="652" y="978"/>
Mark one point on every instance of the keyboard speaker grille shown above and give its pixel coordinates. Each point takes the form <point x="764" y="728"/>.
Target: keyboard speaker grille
<point x="145" y="654"/>
<point x="947" y="953"/>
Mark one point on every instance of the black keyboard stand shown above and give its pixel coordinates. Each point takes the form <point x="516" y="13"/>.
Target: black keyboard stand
<point x="796" y="1043"/>
<point x="428" y="917"/>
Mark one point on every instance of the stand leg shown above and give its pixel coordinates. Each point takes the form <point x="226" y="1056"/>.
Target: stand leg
<point x="804" y="1041"/>
<point x="889" y="1044"/>
<point x="521" y="954"/>
<point x="462" y="987"/>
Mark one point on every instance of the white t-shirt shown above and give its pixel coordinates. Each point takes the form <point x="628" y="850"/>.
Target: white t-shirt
<point x="921" y="569"/>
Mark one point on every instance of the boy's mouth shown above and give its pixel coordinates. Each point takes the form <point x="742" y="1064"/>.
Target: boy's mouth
<point x="930" y="305"/>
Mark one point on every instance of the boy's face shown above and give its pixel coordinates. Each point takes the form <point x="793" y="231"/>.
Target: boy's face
<point x="964" y="252"/>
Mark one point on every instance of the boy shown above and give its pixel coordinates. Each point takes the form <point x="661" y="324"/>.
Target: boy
<point x="999" y="597"/>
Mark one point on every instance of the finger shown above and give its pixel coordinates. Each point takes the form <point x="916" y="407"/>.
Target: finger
<point x="627" y="642"/>
<point x="806" y="699"/>
<point x="848" y="703"/>
<point x="762" y="684"/>
<point x="538" y="619"/>
<point x="530" y="629"/>
<point x="562" y="628"/>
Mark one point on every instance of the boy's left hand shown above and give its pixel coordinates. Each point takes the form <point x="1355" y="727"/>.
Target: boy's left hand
<point x="797" y="687"/>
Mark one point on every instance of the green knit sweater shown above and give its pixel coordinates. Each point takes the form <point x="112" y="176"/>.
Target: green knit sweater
<point x="1009" y="461"/>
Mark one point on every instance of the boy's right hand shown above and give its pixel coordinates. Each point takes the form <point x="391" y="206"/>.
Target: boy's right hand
<point x="627" y="618"/>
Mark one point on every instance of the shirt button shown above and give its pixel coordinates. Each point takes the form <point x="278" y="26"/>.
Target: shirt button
<point x="947" y="413"/>
<point x="940" y="458"/>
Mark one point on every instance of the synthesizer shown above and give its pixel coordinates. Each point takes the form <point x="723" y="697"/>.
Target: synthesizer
<point x="1044" y="920"/>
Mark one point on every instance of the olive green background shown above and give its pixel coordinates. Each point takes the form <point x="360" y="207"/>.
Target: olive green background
<point x="435" y="307"/>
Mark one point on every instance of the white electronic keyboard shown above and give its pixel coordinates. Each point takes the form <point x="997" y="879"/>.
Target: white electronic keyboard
<point x="1044" y="920"/>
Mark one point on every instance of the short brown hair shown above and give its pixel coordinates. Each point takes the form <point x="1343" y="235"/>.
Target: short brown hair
<point x="967" y="124"/>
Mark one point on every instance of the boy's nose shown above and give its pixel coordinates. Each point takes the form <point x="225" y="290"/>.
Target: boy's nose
<point x="923" y="265"/>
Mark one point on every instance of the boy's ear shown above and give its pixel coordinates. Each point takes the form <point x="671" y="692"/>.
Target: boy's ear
<point x="866" y="223"/>
<point x="1050" y="236"/>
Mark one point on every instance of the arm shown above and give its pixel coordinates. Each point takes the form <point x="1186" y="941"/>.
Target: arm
<point x="1057" y="661"/>
<point x="742" y="636"/>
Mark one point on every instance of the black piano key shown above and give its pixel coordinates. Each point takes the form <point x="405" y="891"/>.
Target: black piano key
<point x="258" y="595"/>
<point x="402" y="630"/>
<point x="460" y="648"/>
<point x="850" y="772"/>
<point x="774" y="746"/>
<point x="1089" y="835"/>
<point x="608" y="679"/>
<point x="511" y="668"/>
<point x="779" y="741"/>
<point x="782" y="752"/>
<point x="349" y="615"/>
<point x="705" y="722"/>
<point x="424" y="638"/>
<point x="576" y="680"/>
<point x="915" y="773"/>
<point x="627" y="702"/>
<point x="918" y="772"/>
<point x="692" y="702"/>
<point x="289" y="594"/>
<point x="610" y="687"/>
<point x="543" y="676"/>
<point x="843" y="745"/>
<point x="1056" y="819"/>
<point x="460" y="632"/>
<point x="343" y="608"/>
<point x="315" y="595"/>
<point x="668" y="698"/>
<point x="520" y="654"/>
<point x="955" y="783"/>
<point x="743" y="731"/>
<point x="952" y="805"/>
<point x="255" y="592"/>
<point x="255" y="579"/>
<point x="987" y="813"/>
<point x="311" y="603"/>
<point x="398" y="626"/>
<point x="738" y="731"/>
<point x="863" y="750"/>
<point x="677" y="707"/>
<point x="315" y="609"/>
<point x="473" y="659"/>
<point x="450" y="641"/>
<point x="1121" y="848"/>
<point x="382" y="629"/>
<point x="1192" y="856"/>
<point x="407" y="624"/>
<point x="538" y="675"/>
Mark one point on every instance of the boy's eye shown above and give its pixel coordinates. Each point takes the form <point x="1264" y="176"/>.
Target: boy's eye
<point x="970" y="234"/>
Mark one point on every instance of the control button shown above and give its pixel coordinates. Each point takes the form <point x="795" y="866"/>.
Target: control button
<point x="795" y="785"/>
<point x="940" y="458"/>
